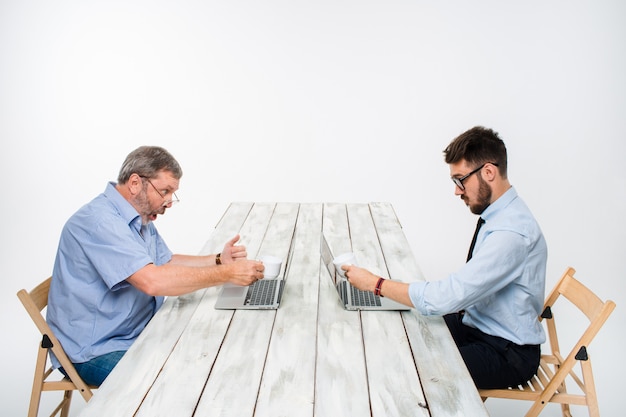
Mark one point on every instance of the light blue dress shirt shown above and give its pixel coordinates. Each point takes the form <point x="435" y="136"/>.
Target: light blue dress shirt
<point x="91" y="308"/>
<point x="502" y="288"/>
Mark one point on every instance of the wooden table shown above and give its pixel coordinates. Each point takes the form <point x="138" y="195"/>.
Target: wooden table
<point x="308" y="358"/>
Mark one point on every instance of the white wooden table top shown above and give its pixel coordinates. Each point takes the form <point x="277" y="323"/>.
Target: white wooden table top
<point x="308" y="358"/>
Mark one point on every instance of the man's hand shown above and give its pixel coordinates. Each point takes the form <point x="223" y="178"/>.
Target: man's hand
<point x="244" y="272"/>
<point x="360" y="278"/>
<point x="365" y="280"/>
<point x="232" y="253"/>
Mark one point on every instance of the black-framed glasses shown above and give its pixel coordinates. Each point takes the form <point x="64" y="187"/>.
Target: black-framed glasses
<point x="166" y="202"/>
<point x="459" y="181"/>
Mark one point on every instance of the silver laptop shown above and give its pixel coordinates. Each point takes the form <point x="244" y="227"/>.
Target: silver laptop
<point x="353" y="298"/>
<point x="265" y="294"/>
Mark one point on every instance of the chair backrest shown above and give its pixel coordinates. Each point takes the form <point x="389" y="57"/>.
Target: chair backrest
<point x="34" y="302"/>
<point x="596" y="311"/>
<point x="549" y="384"/>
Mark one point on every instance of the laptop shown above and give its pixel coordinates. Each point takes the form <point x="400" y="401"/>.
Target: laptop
<point x="265" y="294"/>
<point x="351" y="297"/>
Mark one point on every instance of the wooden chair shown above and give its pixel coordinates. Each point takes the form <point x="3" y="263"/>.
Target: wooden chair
<point x="548" y="385"/>
<point x="34" y="302"/>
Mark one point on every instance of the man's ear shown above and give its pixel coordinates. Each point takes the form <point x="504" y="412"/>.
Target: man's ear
<point x="134" y="184"/>
<point x="490" y="172"/>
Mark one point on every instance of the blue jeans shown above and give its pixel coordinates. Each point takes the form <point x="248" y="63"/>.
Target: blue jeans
<point x="93" y="372"/>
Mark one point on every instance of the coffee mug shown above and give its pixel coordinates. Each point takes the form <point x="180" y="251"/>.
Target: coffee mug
<point x="272" y="266"/>
<point x="347" y="258"/>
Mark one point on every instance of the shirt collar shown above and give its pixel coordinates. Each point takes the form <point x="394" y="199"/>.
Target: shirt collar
<point x="126" y="210"/>
<point x="503" y="201"/>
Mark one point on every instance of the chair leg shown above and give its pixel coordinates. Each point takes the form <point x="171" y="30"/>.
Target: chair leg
<point x="67" y="401"/>
<point x="590" y="388"/>
<point x="563" y="390"/>
<point x="33" y="407"/>
<point x="532" y="412"/>
<point x="35" y="396"/>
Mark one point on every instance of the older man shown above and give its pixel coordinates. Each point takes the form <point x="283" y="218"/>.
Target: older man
<point x="113" y="268"/>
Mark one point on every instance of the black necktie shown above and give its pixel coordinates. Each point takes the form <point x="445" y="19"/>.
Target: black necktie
<point x="471" y="249"/>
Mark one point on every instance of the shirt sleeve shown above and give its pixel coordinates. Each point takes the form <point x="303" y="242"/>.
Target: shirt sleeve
<point x="113" y="251"/>
<point x="497" y="262"/>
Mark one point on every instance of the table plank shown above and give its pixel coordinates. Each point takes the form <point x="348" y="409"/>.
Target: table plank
<point x="393" y="382"/>
<point x="341" y="385"/>
<point x="254" y="229"/>
<point x="394" y="245"/>
<point x="447" y="384"/>
<point x="336" y="228"/>
<point x="288" y="384"/>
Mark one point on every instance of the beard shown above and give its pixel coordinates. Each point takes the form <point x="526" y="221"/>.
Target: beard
<point x="143" y="206"/>
<point x="483" y="200"/>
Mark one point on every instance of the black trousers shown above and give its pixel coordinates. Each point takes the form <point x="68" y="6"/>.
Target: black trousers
<point x="493" y="362"/>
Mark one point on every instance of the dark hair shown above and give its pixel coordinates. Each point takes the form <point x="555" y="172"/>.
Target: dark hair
<point x="478" y="146"/>
<point x="148" y="161"/>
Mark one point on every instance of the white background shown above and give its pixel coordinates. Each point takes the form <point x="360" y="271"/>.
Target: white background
<point x="314" y="101"/>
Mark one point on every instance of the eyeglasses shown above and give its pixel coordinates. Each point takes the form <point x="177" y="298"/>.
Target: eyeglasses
<point x="459" y="181"/>
<point x="166" y="203"/>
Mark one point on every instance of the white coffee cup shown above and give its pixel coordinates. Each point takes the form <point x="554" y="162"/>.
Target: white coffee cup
<point x="347" y="258"/>
<point x="272" y="266"/>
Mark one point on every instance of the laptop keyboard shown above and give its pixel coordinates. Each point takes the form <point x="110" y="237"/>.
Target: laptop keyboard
<point x="364" y="298"/>
<point x="261" y="292"/>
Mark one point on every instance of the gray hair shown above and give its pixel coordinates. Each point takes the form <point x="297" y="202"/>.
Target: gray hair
<point x="148" y="161"/>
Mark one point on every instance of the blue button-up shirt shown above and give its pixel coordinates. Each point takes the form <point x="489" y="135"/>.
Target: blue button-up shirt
<point x="92" y="309"/>
<point x="502" y="287"/>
